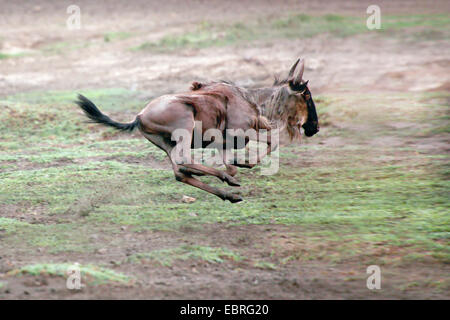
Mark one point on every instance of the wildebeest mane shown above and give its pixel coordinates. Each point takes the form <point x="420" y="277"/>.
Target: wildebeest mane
<point x="275" y="109"/>
<point x="278" y="81"/>
<point x="243" y="93"/>
<point x="278" y="112"/>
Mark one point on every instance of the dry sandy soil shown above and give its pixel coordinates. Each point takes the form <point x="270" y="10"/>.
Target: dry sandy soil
<point x="359" y="61"/>
<point x="362" y="63"/>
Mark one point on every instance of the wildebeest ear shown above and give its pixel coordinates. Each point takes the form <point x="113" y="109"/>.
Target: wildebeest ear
<point x="196" y="86"/>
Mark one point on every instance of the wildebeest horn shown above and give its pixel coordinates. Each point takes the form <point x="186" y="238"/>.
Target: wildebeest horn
<point x="298" y="78"/>
<point x="291" y="72"/>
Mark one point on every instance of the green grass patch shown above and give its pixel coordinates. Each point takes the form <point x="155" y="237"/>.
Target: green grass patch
<point x="265" y="265"/>
<point x="37" y="117"/>
<point x="9" y="225"/>
<point x="111" y="98"/>
<point x="166" y="257"/>
<point x="116" y="35"/>
<point x="11" y="55"/>
<point x="61" y="47"/>
<point x="297" y="26"/>
<point x="362" y="192"/>
<point x="90" y="273"/>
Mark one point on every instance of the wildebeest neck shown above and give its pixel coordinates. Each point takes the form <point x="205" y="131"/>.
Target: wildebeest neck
<point x="262" y="98"/>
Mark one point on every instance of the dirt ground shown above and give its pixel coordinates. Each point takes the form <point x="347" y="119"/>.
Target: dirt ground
<point x="52" y="58"/>
<point x="350" y="62"/>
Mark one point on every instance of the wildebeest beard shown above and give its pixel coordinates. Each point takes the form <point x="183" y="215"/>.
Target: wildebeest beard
<point x="311" y="126"/>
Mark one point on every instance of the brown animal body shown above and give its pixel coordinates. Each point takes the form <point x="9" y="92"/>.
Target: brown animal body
<point x="226" y="108"/>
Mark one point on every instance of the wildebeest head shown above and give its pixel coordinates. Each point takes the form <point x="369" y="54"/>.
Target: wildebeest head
<point x="295" y="104"/>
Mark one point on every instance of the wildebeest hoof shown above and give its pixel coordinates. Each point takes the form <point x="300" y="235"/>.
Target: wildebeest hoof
<point x="242" y="164"/>
<point x="233" y="198"/>
<point x="231" y="181"/>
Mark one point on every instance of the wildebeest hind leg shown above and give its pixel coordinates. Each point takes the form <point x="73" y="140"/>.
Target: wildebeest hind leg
<point x="187" y="178"/>
<point x="211" y="171"/>
<point x="190" y="171"/>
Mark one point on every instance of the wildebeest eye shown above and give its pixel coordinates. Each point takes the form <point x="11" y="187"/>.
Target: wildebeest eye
<point x="299" y="87"/>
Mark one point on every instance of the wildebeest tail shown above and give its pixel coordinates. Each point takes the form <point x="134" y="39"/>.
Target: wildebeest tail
<point x="93" y="113"/>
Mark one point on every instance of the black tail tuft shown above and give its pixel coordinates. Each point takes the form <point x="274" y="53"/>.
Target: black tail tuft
<point x="93" y="113"/>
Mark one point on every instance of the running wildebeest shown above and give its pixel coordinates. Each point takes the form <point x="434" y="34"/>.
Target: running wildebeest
<point x="223" y="106"/>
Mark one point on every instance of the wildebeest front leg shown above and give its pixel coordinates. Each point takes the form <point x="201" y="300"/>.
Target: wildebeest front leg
<point x="271" y="146"/>
<point x="231" y="169"/>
